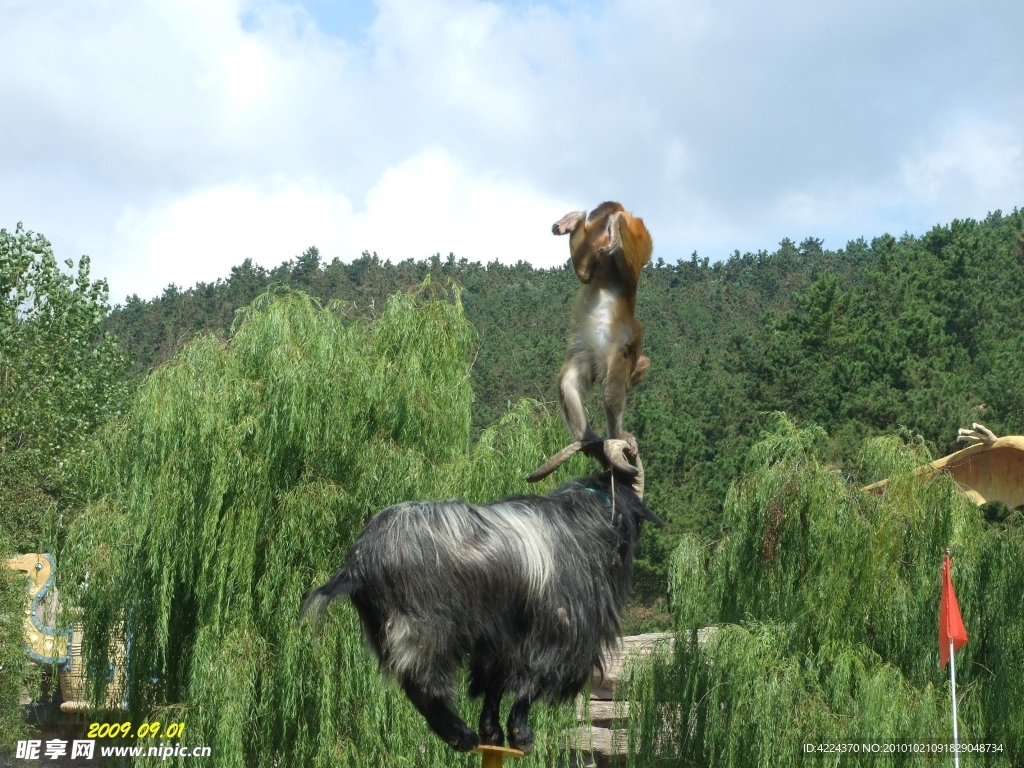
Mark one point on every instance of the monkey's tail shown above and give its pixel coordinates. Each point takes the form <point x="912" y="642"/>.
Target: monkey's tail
<point x="339" y="585"/>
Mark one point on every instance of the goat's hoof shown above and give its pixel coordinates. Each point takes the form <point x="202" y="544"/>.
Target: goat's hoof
<point x="492" y="738"/>
<point x="465" y="741"/>
<point x="521" y="739"/>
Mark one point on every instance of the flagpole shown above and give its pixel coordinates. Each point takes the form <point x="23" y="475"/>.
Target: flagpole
<point x="952" y="680"/>
<point x="952" y="689"/>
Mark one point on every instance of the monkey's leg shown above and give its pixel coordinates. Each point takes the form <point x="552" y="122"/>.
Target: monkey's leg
<point x="574" y="384"/>
<point x="442" y="718"/>
<point x="490" y="725"/>
<point x="620" y="369"/>
<point x="520" y="736"/>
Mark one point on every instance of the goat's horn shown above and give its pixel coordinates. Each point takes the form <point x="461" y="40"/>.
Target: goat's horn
<point x="554" y="462"/>
<point x="638" y="481"/>
<point x="615" y="452"/>
<point x="611" y="454"/>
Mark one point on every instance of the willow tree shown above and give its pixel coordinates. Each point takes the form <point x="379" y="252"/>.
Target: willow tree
<point x="826" y="602"/>
<point x="238" y="480"/>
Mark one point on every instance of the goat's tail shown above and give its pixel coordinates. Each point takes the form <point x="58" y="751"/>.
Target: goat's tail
<point x="340" y="584"/>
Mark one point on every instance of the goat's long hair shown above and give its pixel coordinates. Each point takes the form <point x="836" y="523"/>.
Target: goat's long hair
<point x="531" y="589"/>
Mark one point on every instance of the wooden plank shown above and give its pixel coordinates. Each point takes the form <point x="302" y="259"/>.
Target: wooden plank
<point x="602" y="686"/>
<point x="603" y="742"/>
<point x="601" y="693"/>
<point x="615" y="658"/>
<point x="603" y="713"/>
<point x="603" y="708"/>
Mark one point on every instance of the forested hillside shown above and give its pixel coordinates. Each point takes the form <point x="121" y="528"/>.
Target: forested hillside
<point x="924" y="334"/>
<point x="277" y="444"/>
<point x="825" y="601"/>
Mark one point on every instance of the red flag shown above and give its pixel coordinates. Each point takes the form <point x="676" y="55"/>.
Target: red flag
<point x="951" y="626"/>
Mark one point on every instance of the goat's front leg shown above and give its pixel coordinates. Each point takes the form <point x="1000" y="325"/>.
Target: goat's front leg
<point x="490" y="719"/>
<point x="442" y="718"/>
<point x="520" y="736"/>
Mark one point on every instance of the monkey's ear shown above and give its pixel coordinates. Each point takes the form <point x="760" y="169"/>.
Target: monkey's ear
<point x="568" y="223"/>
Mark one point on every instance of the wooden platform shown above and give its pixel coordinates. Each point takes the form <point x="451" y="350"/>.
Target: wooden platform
<point x="493" y="756"/>
<point x="603" y="741"/>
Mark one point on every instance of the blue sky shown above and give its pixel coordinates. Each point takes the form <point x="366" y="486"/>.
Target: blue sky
<point x="170" y="141"/>
<point x="349" y="20"/>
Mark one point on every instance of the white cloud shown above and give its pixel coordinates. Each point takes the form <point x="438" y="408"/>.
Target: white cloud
<point x="424" y="205"/>
<point x="138" y="130"/>
<point x="966" y="169"/>
<point x="199" y="237"/>
<point x="976" y="163"/>
<point x="429" y="204"/>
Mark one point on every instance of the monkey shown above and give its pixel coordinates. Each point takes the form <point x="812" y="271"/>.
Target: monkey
<point x="609" y="247"/>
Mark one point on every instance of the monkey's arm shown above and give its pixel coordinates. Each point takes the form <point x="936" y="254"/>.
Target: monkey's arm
<point x="584" y="259"/>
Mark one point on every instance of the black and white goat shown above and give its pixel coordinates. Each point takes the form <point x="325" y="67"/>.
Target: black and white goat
<point x="529" y="589"/>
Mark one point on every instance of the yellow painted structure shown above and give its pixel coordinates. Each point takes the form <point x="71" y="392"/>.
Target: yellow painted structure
<point x="984" y="472"/>
<point x="44" y="644"/>
<point x="493" y="756"/>
<point x="49" y="646"/>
